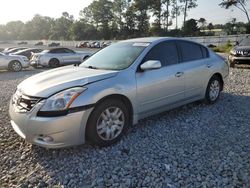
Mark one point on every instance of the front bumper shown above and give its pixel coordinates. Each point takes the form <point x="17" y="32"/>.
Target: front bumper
<point x="25" y="64"/>
<point x="236" y="59"/>
<point x="50" y="132"/>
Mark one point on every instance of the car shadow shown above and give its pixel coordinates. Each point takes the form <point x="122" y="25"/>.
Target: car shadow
<point x="177" y="126"/>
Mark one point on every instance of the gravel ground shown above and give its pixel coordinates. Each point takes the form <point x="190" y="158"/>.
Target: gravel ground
<point x="192" y="146"/>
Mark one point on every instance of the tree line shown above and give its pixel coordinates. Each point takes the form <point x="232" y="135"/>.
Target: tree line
<point x="122" y="19"/>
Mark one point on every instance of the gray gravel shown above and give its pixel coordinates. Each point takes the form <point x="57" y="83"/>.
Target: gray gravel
<point x="192" y="146"/>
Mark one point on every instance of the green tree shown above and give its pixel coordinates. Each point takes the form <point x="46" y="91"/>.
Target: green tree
<point x="142" y="8"/>
<point x="129" y="23"/>
<point x="202" y="22"/>
<point x="187" y="5"/>
<point x="102" y="16"/>
<point x="12" y="30"/>
<point x="119" y="7"/>
<point x="191" y="28"/>
<point x="176" y="11"/>
<point x="240" y="4"/>
<point x="61" y="27"/>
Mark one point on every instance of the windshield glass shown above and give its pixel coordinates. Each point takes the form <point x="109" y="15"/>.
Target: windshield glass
<point x="245" y="42"/>
<point x="116" y="57"/>
<point x="45" y="51"/>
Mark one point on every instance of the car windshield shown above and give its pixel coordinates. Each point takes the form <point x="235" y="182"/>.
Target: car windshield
<point x="115" y="57"/>
<point x="45" y="51"/>
<point x="20" y="51"/>
<point x="245" y="42"/>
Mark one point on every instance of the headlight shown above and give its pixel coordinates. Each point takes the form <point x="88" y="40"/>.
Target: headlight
<point x="62" y="101"/>
<point x="233" y="52"/>
<point x="25" y="58"/>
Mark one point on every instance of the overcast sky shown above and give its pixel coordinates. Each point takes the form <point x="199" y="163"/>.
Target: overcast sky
<point x="24" y="10"/>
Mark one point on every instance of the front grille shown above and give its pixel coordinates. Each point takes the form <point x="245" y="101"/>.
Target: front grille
<point x="24" y="103"/>
<point x="242" y="53"/>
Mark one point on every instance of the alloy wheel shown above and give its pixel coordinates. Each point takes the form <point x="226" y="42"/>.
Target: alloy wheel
<point x="110" y="123"/>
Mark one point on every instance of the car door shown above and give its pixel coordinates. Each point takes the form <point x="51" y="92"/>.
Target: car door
<point x="70" y="56"/>
<point x="161" y="87"/>
<point x="195" y="63"/>
<point x="3" y="61"/>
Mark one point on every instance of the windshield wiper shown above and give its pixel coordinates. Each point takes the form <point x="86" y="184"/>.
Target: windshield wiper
<point x="90" y="67"/>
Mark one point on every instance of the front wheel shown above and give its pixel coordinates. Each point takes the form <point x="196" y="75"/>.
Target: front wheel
<point x="232" y="64"/>
<point x="107" y="123"/>
<point x="15" y="66"/>
<point x="213" y="89"/>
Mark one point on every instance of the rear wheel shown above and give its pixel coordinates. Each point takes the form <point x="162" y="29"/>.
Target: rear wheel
<point x="54" y="63"/>
<point x="15" y="66"/>
<point x="213" y="89"/>
<point x="107" y="123"/>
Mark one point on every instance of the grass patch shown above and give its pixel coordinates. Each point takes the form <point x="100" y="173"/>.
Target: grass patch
<point x="223" y="48"/>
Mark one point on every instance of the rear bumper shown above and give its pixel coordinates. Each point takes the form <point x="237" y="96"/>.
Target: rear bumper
<point x="50" y="132"/>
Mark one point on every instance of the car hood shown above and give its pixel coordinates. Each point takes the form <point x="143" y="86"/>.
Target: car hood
<point x="50" y="82"/>
<point x="13" y="56"/>
<point x="240" y="48"/>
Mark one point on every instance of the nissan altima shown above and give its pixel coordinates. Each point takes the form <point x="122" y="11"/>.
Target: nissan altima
<point x="100" y="99"/>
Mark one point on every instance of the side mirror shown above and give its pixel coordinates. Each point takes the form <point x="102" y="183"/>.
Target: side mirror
<point x="150" y="65"/>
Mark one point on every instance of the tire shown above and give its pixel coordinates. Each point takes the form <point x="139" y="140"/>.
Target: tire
<point x="54" y="63"/>
<point x="15" y="66"/>
<point x="232" y="64"/>
<point x="102" y="129"/>
<point x="214" y="89"/>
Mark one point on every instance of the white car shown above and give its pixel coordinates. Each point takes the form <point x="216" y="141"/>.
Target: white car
<point x="13" y="62"/>
<point x="56" y="57"/>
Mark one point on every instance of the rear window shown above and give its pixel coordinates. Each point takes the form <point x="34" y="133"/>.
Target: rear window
<point x="191" y="51"/>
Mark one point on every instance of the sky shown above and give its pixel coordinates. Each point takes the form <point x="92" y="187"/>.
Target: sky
<point x="24" y="10"/>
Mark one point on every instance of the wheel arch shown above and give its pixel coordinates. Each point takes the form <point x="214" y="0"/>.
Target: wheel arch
<point x="124" y="99"/>
<point x="121" y="97"/>
<point x="219" y="75"/>
<point x="55" y="58"/>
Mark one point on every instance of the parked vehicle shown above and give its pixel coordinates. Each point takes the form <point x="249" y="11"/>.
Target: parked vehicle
<point x="39" y="44"/>
<point x="13" y="50"/>
<point x="113" y="89"/>
<point x="97" y="45"/>
<point x="82" y="45"/>
<point x="7" y="49"/>
<point x="13" y="62"/>
<point x="22" y="43"/>
<point x="28" y="52"/>
<point x="58" y="56"/>
<point x="54" y="44"/>
<point x="240" y="54"/>
<point x="105" y="44"/>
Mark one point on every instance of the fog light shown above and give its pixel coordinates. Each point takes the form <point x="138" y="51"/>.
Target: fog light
<point x="45" y="138"/>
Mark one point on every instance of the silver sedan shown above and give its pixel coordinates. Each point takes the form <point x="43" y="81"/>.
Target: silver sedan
<point x="56" y="57"/>
<point x="100" y="99"/>
<point x="13" y="62"/>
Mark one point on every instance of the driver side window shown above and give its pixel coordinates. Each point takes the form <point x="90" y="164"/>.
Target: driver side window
<point x="165" y="52"/>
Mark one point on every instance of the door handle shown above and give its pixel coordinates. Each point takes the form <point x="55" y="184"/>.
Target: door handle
<point x="209" y="65"/>
<point x="179" y="74"/>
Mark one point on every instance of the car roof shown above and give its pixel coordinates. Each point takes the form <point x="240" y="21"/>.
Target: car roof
<point x="59" y="48"/>
<point x="148" y="39"/>
<point x="159" y="39"/>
